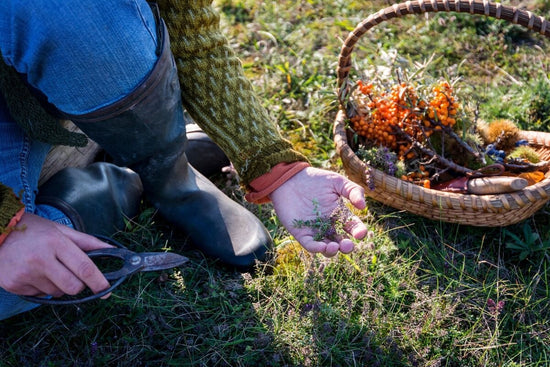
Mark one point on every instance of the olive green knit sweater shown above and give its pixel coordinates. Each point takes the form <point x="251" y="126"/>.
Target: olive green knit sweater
<point x="217" y="94"/>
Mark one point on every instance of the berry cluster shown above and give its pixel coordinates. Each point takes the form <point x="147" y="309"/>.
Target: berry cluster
<point x="395" y="118"/>
<point x="420" y="176"/>
<point x="443" y="107"/>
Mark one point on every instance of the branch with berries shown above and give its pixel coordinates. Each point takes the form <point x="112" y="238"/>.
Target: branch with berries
<point x="427" y="131"/>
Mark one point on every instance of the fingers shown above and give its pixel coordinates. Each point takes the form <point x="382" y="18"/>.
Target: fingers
<point x="357" y="197"/>
<point x="76" y="270"/>
<point x="310" y="244"/>
<point x="48" y="258"/>
<point x="84" y="241"/>
<point x="328" y="249"/>
<point x="64" y="281"/>
<point x="346" y="246"/>
<point x="353" y="225"/>
<point x="42" y="287"/>
<point x="314" y="193"/>
<point x="79" y="265"/>
<point x="356" y="228"/>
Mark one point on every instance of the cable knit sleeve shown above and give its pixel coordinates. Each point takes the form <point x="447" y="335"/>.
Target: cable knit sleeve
<point x="217" y="94"/>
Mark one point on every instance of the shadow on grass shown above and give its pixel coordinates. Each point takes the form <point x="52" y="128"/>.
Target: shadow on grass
<point x="204" y="315"/>
<point x="197" y="315"/>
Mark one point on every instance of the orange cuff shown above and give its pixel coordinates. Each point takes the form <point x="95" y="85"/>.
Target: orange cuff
<point x="11" y="225"/>
<point x="269" y="182"/>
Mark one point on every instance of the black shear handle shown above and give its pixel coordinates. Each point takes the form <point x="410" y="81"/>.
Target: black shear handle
<point x="62" y="301"/>
<point x="72" y="301"/>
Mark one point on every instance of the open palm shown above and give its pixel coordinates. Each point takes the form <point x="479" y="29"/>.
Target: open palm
<point x="315" y="193"/>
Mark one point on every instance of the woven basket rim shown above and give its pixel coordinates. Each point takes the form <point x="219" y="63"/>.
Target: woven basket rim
<point x="486" y="8"/>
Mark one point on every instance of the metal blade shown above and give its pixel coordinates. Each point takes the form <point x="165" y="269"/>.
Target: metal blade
<point x="153" y="261"/>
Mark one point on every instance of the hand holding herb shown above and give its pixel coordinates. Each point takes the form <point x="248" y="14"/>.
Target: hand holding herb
<point x="315" y="214"/>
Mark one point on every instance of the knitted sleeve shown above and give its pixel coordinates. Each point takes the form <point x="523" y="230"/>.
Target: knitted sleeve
<point x="217" y="94"/>
<point x="11" y="210"/>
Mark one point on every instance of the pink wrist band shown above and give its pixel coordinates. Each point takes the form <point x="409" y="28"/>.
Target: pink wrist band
<point x="269" y="182"/>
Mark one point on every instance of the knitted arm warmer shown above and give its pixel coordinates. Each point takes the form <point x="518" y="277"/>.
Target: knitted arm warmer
<point x="217" y="94"/>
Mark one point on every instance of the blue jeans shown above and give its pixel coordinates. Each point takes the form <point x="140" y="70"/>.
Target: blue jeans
<point x="82" y="55"/>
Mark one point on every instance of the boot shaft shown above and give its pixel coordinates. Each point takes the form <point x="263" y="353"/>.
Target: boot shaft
<point x="147" y="121"/>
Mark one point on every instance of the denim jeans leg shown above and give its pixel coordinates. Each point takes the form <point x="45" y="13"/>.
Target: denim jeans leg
<point x="22" y="159"/>
<point x="20" y="166"/>
<point x="98" y="57"/>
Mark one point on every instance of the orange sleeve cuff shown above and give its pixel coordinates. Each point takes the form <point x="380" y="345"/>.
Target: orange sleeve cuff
<point x="11" y="225"/>
<point x="269" y="182"/>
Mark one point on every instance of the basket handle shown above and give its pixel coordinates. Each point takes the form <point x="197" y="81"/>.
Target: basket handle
<point x="482" y="7"/>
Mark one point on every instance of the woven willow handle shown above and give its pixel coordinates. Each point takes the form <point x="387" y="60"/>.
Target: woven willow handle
<point x="481" y="7"/>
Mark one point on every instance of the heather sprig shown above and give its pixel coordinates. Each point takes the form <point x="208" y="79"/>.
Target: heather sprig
<point x="327" y="227"/>
<point x="381" y="158"/>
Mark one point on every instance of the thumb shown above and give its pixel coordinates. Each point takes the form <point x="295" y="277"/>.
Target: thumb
<point x="354" y="193"/>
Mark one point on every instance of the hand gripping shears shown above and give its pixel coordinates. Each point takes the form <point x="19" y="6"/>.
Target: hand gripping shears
<point x="133" y="262"/>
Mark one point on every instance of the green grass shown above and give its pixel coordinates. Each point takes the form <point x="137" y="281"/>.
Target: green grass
<point x="422" y="293"/>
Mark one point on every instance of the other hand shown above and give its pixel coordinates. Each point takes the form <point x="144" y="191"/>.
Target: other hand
<point x="41" y="257"/>
<point x="314" y="192"/>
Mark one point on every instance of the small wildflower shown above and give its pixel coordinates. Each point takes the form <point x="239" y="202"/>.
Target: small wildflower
<point x="370" y="179"/>
<point x="381" y="158"/>
<point x="93" y="348"/>
<point x="495" y="308"/>
<point x="365" y="246"/>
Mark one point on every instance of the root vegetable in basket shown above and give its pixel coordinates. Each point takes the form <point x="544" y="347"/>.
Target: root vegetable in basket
<point x="484" y="185"/>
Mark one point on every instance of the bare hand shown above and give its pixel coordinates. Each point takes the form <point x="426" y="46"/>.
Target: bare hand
<point x="314" y="192"/>
<point x="47" y="258"/>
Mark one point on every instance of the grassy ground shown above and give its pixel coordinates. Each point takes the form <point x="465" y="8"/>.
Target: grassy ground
<point x="416" y="293"/>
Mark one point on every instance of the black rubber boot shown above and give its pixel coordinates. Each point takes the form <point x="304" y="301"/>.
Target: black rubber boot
<point x="96" y="198"/>
<point x="203" y="154"/>
<point x="146" y="132"/>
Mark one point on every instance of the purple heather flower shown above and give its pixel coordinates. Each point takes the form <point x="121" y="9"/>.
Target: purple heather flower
<point x="493" y="307"/>
<point x="369" y="179"/>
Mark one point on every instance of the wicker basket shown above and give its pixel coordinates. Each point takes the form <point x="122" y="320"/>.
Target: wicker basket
<point x="476" y="210"/>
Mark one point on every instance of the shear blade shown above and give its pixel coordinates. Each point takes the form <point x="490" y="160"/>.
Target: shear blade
<point x="153" y="261"/>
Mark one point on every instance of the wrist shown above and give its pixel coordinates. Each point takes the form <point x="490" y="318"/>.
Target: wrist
<point x="263" y="186"/>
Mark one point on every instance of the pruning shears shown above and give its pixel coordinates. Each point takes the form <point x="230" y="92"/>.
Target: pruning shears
<point x="133" y="262"/>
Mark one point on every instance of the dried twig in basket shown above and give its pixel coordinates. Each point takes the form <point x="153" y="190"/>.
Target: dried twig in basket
<point x="527" y="166"/>
<point x="448" y="164"/>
